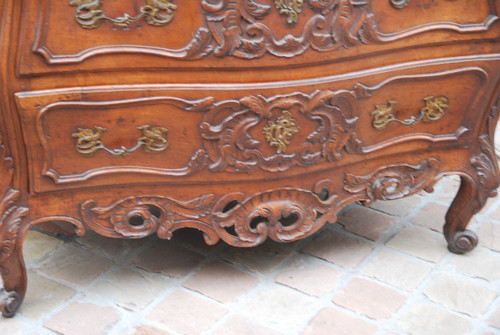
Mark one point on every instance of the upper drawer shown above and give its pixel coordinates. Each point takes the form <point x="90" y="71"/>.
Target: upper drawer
<point x="220" y="133"/>
<point x="97" y="35"/>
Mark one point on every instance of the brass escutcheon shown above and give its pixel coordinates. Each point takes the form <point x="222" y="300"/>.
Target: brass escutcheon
<point x="278" y="134"/>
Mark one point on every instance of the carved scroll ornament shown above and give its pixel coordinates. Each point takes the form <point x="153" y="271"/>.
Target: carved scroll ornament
<point x="227" y="130"/>
<point x="393" y="182"/>
<point x="235" y="27"/>
<point x="240" y="219"/>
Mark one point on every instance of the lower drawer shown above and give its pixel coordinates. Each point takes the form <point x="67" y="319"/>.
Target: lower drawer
<point x="177" y="134"/>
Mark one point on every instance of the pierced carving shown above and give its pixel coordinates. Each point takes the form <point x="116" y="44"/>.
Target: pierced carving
<point x="89" y="14"/>
<point x="279" y="133"/>
<point x="227" y="130"/>
<point x="394" y="181"/>
<point x="284" y="215"/>
<point x="137" y="217"/>
<point x="290" y="8"/>
<point x="434" y="109"/>
<point x="89" y="141"/>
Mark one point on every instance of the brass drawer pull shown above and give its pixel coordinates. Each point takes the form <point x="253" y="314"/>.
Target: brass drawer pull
<point x="399" y="4"/>
<point x="89" y="141"/>
<point x="90" y="16"/>
<point x="434" y="109"/>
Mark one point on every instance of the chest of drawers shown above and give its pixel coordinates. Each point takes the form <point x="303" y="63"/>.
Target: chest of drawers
<point x="245" y="119"/>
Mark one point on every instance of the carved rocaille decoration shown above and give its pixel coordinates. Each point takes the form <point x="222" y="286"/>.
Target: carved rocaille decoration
<point x="235" y="27"/>
<point x="227" y="130"/>
<point x="393" y="182"/>
<point x="137" y="217"/>
<point x="434" y="109"/>
<point x="90" y="15"/>
<point x="88" y="141"/>
<point x="279" y="133"/>
<point x="284" y="215"/>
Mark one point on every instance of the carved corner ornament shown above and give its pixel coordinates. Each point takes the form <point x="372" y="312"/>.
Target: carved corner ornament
<point x="433" y="110"/>
<point x="89" y="14"/>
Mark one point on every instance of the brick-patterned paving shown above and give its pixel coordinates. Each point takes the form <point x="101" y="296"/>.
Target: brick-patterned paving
<point x="380" y="270"/>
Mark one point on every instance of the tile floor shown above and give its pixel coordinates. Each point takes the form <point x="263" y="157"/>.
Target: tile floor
<point x="381" y="270"/>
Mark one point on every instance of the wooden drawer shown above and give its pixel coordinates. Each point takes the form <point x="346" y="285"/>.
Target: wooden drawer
<point x="74" y="35"/>
<point x="245" y="132"/>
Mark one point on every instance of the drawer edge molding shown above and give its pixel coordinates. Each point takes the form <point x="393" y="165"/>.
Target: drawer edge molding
<point x="228" y="146"/>
<point x="233" y="28"/>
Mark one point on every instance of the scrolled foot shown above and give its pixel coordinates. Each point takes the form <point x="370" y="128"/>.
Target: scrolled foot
<point x="462" y="242"/>
<point x="10" y="302"/>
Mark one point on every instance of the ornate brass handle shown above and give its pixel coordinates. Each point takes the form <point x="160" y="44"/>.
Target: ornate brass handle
<point x="89" y="141"/>
<point x="434" y="109"/>
<point x="400" y="3"/>
<point x="90" y="16"/>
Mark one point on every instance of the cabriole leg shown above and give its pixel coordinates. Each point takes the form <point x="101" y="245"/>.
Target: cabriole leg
<point x="475" y="188"/>
<point x="464" y="206"/>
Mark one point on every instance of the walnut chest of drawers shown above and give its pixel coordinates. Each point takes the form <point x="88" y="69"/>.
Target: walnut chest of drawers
<point x="245" y="119"/>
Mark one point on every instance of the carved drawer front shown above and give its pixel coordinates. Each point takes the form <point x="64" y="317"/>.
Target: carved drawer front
<point x="68" y="35"/>
<point x="99" y="136"/>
